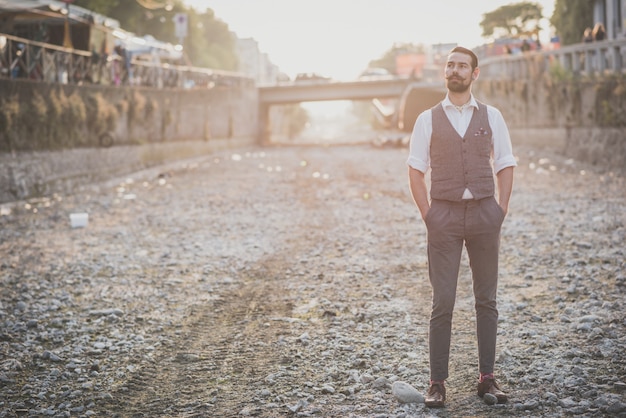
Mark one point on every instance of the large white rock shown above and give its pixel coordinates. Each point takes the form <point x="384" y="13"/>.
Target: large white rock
<point x="406" y="393"/>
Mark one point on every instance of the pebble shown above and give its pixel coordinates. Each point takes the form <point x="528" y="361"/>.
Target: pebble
<point x="84" y="315"/>
<point x="405" y="393"/>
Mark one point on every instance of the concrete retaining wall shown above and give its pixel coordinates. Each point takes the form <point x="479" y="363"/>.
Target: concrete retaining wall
<point x="33" y="174"/>
<point x="604" y="147"/>
<point x="187" y="123"/>
<point x="575" y="118"/>
<point x="563" y="117"/>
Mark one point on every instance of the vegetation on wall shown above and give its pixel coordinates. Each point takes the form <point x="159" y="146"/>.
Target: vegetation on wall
<point x="57" y="120"/>
<point x="136" y="107"/>
<point x="141" y="112"/>
<point x="564" y="95"/>
<point x="102" y="116"/>
<point x="557" y="94"/>
<point x="9" y="121"/>
<point x="610" y="102"/>
<point x="53" y="121"/>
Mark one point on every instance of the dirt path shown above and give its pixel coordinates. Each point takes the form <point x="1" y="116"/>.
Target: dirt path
<point x="293" y="281"/>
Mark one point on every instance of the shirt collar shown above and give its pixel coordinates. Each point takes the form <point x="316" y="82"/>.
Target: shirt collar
<point x="447" y="103"/>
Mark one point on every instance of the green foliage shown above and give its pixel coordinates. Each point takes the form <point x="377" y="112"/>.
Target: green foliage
<point x="54" y="121"/>
<point x="65" y="120"/>
<point x="570" y="18"/>
<point x="9" y="109"/>
<point x="9" y="113"/>
<point x="565" y="94"/>
<point x="38" y="109"/>
<point x="75" y="117"/>
<point x="611" y="102"/>
<point x="558" y="73"/>
<point x="208" y="44"/>
<point x="101" y="115"/>
<point x="512" y="20"/>
<point x="34" y="120"/>
<point x="103" y="7"/>
<point x="56" y="107"/>
<point x="143" y="116"/>
<point x="136" y="108"/>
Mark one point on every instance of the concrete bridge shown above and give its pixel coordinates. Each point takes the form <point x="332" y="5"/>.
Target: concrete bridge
<point x="313" y="91"/>
<point x="413" y="96"/>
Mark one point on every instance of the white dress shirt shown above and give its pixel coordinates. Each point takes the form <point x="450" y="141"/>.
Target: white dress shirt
<point x="501" y="152"/>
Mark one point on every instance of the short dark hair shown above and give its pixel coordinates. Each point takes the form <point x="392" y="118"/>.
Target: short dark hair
<point x="466" y="51"/>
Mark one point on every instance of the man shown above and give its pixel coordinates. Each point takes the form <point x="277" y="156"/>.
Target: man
<point x="463" y="142"/>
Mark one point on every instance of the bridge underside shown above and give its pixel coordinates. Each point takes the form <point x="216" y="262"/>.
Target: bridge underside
<point x="414" y="97"/>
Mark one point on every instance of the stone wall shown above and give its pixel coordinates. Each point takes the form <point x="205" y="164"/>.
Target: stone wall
<point x="33" y="174"/>
<point x="186" y="123"/>
<point x="582" y="119"/>
<point x="576" y="119"/>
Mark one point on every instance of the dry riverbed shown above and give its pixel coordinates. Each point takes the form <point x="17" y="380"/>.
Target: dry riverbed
<point x="292" y="281"/>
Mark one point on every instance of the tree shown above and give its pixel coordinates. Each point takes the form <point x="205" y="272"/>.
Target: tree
<point x="513" y="20"/>
<point x="102" y="7"/>
<point x="570" y="18"/>
<point x="209" y="42"/>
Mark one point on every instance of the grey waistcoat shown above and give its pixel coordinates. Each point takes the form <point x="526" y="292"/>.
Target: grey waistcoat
<point x="459" y="163"/>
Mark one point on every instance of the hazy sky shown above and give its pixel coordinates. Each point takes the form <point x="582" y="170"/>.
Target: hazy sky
<point x="338" y="38"/>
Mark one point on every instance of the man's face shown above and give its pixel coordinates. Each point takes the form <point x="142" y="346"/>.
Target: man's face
<point x="459" y="72"/>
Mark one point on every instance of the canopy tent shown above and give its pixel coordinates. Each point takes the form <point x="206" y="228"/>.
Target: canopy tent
<point x="48" y="21"/>
<point x="53" y="10"/>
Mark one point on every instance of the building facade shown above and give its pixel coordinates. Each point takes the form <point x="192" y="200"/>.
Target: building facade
<point x="253" y="63"/>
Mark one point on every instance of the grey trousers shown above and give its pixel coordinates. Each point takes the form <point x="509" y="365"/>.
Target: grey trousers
<point x="475" y="223"/>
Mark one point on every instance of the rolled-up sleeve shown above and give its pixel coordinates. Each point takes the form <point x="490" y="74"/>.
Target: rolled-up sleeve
<point x="419" y="146"/>
<point x="502" y="148"/>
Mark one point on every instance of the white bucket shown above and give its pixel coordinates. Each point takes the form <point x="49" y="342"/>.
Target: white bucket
<point x="79" y="220"/>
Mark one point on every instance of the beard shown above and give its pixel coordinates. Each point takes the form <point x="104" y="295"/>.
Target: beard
<point x="457" y="85"/>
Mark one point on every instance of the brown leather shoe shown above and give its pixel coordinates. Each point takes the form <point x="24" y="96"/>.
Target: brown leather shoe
<point x="491" y="386"/>
<point x="436" y="395"/>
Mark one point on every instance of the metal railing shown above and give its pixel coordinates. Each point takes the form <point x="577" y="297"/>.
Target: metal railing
<point x="25" y="59"/>
<point x="21" y="58"/>
<point x="584" y="59"/>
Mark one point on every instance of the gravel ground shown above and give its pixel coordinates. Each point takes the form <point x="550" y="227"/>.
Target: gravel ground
<point x="292" y="281"/>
